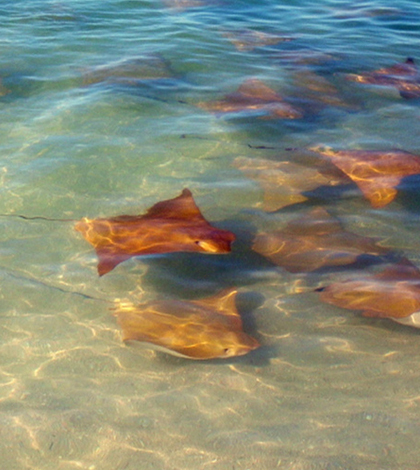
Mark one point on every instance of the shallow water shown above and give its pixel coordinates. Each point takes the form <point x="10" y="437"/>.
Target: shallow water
<point x="328" y="389"/>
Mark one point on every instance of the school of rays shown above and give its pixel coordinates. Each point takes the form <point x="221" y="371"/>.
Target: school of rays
<point x="312" y="242"/>
<point x="316" y="241"/>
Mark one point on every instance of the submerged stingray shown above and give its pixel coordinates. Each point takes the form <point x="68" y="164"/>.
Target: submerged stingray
<point x="314" y="241"/>
<point x="168" y="226"/>
<point x="284" y="182"/>
<point x="393" y="293"/>
<point x="253" y="96"/>
<point x="304" y="56"/>
<point x="365" y="11"/>
<point x="184" y="4"/>
<point x="3" y="90"/>
<point x="250" y="39"/>
<point x="199" y="329"/>
<point x="317" y="88"/>
<point x="130" y="71"/>
<point x="376" y="173"/>
<point x="405" y="77"/>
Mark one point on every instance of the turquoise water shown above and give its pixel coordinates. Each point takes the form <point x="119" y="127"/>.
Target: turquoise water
<point x="328" y="389"/>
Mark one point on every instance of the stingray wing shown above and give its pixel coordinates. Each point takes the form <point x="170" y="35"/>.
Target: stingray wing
<point x="376" y="173"/>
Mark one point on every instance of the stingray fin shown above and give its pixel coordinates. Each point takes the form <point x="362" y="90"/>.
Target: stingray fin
<point x="181" y="207"/>
<point x="223" y="302"/>
<point x="403" y="270"/>
<point x="257" y="89"/>
<point x="107" y="262"/>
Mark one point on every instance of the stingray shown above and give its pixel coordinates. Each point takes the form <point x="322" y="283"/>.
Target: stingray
<point x="3" y="90"/>
<point x="365" y="11"/>
<point x="198" y="329"/>
<point x="253" y="96"/>
<point x="185" y="4"/>
<point x="317" y="88"/>
<point x="304" y="57"/>
<point x="314" y="241"/>
<point x="130" y="71"/>
<point x="376" y="173"/>
<point x="284" y="182"/>
<point x="405" y="77"/>
<point x="168" y="226"/>
<point x="393" y="293"/>
<point x="250" y="39"/>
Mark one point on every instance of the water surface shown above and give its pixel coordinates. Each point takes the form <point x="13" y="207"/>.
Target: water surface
<point x="328" y="388"/>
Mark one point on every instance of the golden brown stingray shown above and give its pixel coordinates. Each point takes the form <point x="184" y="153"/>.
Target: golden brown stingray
<point x="405" y="77"/>
<point x="250" y="39"/>
<point x="314" y="241"/>
<point x="284" y="182"/>
<point x="393" y="293"/>
<point x="172" y="225"/>
<point x="253" y="96"/>
<point x="130" y="71"/>
<point x="200" y="329"/>
<point x="376" y="173"/>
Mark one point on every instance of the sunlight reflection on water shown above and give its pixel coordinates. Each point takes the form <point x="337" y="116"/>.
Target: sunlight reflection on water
<point x="328" y="388"/>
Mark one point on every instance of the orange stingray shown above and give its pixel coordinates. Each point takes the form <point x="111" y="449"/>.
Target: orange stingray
<point x="284" y="182"/>
<point x="314" y="241"/>
<point x="393" y="293"/>
<point x="376" y="173"/>
<point x="249" y="39"/>
<point x="253" y="96"/>
<point x="405" y="77"/>
<point x="172" y="225"/>
<point x="200" y="329"/>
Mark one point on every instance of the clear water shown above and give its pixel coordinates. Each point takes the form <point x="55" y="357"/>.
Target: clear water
<point x="328" y="389"/>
